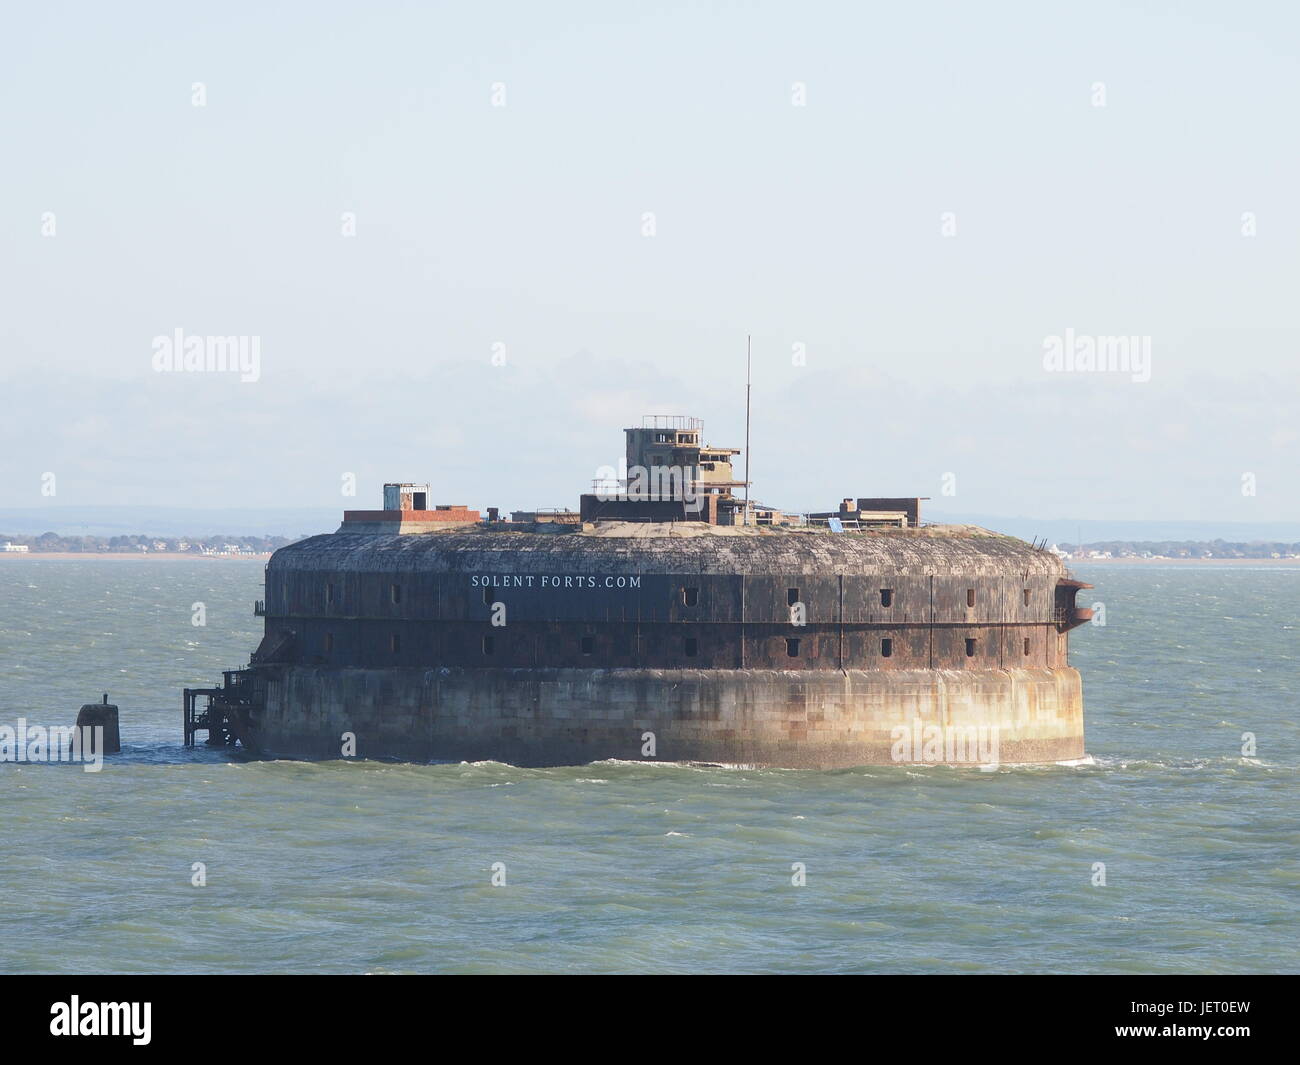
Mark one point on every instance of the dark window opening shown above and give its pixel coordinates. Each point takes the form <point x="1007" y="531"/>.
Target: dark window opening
<point x="970" y="596"/>
<point x="690" y="596"/>
<point x="329" y="593"/>
<point x="1026" y="597"/>
<point x="1026" y="645"/>
<point x="395" y="593"/>
<point x="419" y="501"/>
<point x="692" y="647"/>
<point x="791" y="596"/>
<point x="489" y="596"/>
<point x="395" y="643"/>
<point x="489" y="645"/>
<point x="970" y="648"/>
<point x="329" y="642"/>
<point x="886" y="596"/>
<point x="886" y="648"/>
<point x="792" y="647"/>
<point x="588" y="645"/>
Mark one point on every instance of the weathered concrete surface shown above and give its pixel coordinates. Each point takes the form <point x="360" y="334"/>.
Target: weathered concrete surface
<point x="685" y="547"/>
<point x="798" y="719"/>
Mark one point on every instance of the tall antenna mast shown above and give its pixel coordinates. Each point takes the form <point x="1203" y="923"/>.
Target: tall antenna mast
<point x="748" y="358"/>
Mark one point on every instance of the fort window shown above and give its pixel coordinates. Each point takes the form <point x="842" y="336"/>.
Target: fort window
<point x="970" y="596"/>
<point x="886" y="648"/>
<point x="395" y="643"/>
<point x="329" y="593"/>
<point x="329" y="642"/>
<point x="791" y="596"/>
<point x="886" y="596"/>
<point x="489" y="645"/>
<point x="692" y="646"/>
<point x="690" y="596"/>
<point x="489" y="596"/>
<point x="588" y="645"/>
<point x="395" y="593"/>
<point x="1026" y="645"/>
<point x="1026" y="597"/>
<point x="792" y="647"/>
<point x="970" y="648"/>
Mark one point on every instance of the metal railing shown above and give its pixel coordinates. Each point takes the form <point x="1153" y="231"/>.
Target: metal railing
<point x="672" y="421"/>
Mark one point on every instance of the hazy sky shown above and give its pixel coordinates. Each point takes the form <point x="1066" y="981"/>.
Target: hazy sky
<point x="915" y="196"/>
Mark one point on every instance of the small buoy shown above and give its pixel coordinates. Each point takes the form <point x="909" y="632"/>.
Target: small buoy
<point x="104" y="715"/>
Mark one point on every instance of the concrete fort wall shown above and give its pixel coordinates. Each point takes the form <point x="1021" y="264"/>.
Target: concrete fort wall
<point x="567" y="646"/>
<point x="793" y="718"/>
<point x="355" y="618"/>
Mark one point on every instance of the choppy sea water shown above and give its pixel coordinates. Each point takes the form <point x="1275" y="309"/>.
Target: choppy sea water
<point x="614" y="867"/>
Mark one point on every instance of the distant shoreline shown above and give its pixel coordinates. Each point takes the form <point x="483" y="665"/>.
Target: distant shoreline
<point x="133" y="556"/>
<point x="182" y="556"/>
<point x="1183" y="562"/>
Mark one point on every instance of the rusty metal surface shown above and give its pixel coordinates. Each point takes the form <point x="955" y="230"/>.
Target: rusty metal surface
<point x="441" y="513"/>
<point x="582" y="600"/>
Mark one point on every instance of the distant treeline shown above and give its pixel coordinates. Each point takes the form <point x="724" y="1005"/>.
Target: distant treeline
<point x="1188" y="549"/>
<point x="198" y="545"/>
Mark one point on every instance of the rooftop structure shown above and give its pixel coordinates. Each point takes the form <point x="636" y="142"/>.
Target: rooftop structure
<point x="407" y="510"/>
<point x="903" y="513"/>
<point x="670" y="474"/>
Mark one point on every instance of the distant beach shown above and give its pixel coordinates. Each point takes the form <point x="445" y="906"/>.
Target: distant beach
<point x="131" y="556"/>
<point x="1184" y="561"/>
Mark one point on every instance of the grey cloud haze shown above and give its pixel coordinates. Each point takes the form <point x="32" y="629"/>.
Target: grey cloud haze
<point x="818" y="225"/>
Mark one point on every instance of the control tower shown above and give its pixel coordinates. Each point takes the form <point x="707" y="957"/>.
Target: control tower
<point x="675" y="440"/>
<point x="671" y="475"/>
